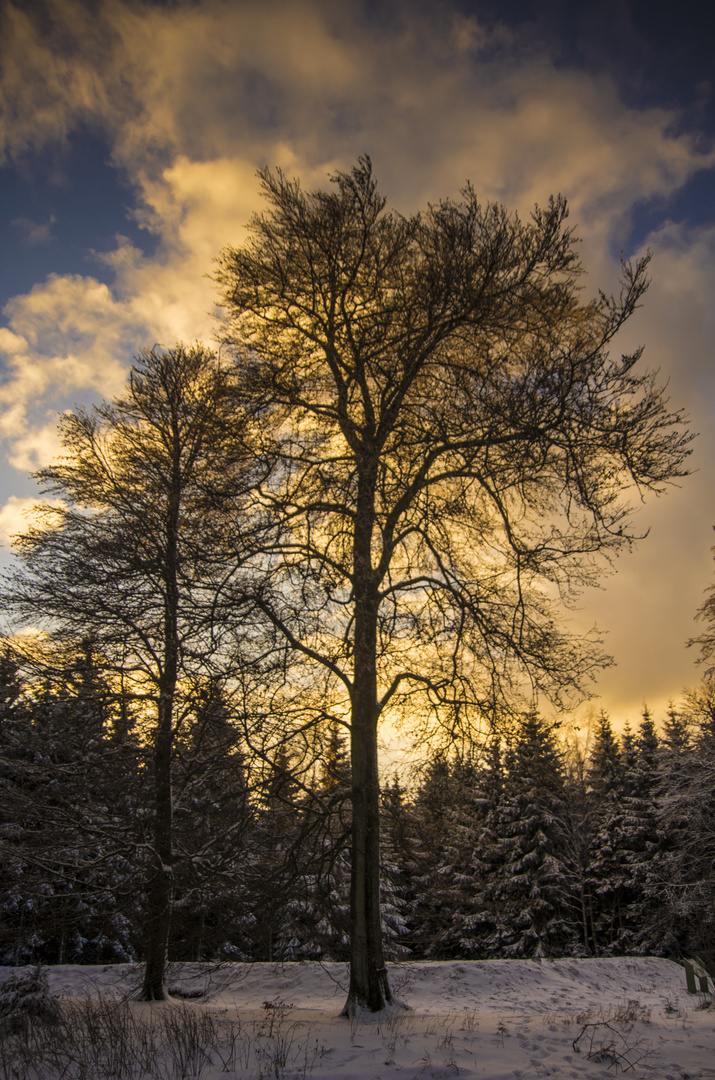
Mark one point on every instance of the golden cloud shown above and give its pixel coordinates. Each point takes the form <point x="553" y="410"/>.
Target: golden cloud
<point x="16" y="515"/>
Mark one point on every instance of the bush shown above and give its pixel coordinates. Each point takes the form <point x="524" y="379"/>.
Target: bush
<point x="25" y="1000"/>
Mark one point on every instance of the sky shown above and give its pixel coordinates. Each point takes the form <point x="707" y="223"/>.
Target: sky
<point x="130" y="136"/>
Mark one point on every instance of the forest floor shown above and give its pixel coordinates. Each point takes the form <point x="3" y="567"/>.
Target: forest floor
<point x="486" y="1019"/>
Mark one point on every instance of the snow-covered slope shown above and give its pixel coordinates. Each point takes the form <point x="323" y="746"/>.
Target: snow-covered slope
<point x="491" y="1019"/>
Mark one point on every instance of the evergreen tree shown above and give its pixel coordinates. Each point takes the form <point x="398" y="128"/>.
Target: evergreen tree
<point x="10" y="686"/>
<point x="70" y="790"/>
<point x="605" y="776"/>
<point x="213" y="823"/>
<point x="642" y="839"/>
<point x="579" y="826"/>
<point x="529" y="898"/>
<point x="670" y="920"/>
<point x="626" y="840"/>
<point x="394" y="898"/>
<point x="322" y="907"/>
<point x="605" y="765"/>
<point x="685" y="917"/>
<point x="446" y="829"/>
<point x="275" y="865"/>
<point x="676" y="735"/>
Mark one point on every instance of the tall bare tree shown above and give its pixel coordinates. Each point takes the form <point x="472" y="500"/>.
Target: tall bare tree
<point x="135" y="551"/>
<point x="706" y="640"/>
<point x="451" y="440"/>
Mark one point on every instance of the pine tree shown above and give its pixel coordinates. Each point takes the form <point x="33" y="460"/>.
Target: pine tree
<point x="579" y="824"/>
<point x="605" y="765"/>
<point x="322" y="908"/>
<point x="69" y="788"/>
<point x="641" y="837"/>
<point x="626" y="842"/>
<point x="670" y="921"/>
<point x="277" y="864"/>
<point x="605" y="776"/>
<point x="443" y="858"/>
<point x="394" y="899"/>
<point x="529" y="899"/>
<point x="213" y="820"/>
<point x="685" y="917"/>
<point x="476" y="794"/>
<point x="10" y="686"/>
<point x="676" y="735"/>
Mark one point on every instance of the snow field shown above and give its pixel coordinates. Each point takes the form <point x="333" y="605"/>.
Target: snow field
<point x="474" y="1019"/>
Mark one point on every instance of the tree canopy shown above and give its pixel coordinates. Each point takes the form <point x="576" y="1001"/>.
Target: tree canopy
<point x="448" y="446"/>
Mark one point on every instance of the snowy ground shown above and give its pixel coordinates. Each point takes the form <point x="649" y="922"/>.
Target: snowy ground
<point x="492" y="1020"/>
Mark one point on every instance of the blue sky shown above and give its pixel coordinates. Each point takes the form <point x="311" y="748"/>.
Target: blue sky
<point x="130" y="133"/>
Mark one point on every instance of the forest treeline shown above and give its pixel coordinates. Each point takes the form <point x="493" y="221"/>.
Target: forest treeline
<point x="524" y="847"/>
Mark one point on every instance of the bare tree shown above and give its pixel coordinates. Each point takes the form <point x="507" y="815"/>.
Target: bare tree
<point x="706" y="640"/>
<point x="135" y="551"/>
<point x="450" y="441"/>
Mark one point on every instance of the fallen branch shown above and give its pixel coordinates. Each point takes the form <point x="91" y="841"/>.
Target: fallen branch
<point x="616" y="1050"/>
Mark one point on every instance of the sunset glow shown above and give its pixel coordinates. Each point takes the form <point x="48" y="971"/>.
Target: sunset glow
<point x="130" y="135"/>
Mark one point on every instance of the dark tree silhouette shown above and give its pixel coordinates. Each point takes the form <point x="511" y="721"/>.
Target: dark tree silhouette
<point x="134" y="551"/>
<point x="450" y="439"/>
<point x="69" y="832"/>
<point x="706" y="640"/>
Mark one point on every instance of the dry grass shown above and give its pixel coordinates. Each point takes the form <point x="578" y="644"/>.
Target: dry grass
<point x="97" y="1037"/>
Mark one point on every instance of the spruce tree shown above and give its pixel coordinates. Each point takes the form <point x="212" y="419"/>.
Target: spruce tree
<point x="394" y="875"/>
<point x="529" y="898"/>
<point x="626" y="841"/>
<point x="68" y="821"/>
<point x="321" y="907"/>
<point x="641" y="837"/>
<point x="605" y="776"/>
<point x="213" y="822"/>
<point x="686" y="818"/>
<point x="446" y="830"/>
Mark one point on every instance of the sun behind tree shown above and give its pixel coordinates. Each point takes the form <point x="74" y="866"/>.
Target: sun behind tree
<point x="450" y="441"/>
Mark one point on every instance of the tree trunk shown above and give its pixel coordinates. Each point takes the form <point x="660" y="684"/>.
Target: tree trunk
<point x="584" y="913"/>
<point x="369" y="987"/>
<point x="593" y="926"/>
<point x="158" y="924"/>
<point x="160" y="894"/>
<point x="161" y="887"/>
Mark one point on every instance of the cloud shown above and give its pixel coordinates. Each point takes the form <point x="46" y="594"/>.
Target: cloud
<point x="649" y="606"/>
<point x="201" y="75"/>
<point x="13" y="517"/>
<point x="225" y="79"/>
<point x="34" y="232"/>
<point x="194" y="96"/>
<point x="16" y="515"/>
<point x="67" y="338"/>
<point x="38" y="445"/>
<point x="72" y="328"/>
<point x="10" y="343"/>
